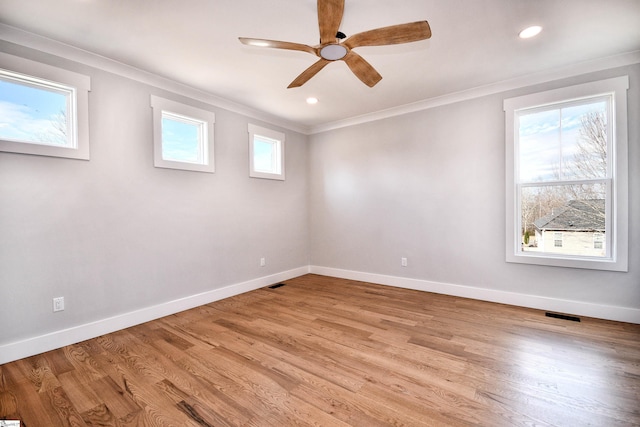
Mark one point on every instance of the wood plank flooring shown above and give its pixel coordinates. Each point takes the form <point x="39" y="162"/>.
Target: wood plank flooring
<point x="321" y="351"/>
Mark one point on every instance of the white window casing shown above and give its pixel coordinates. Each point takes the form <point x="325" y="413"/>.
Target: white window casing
<point x="266" y="153"/>
<point x="75" y="87"/>
<point x="615" y="240"/>
<point x="201" y="157"/>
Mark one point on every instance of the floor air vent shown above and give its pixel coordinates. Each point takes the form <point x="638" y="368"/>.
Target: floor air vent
<point x="279" y="285"/>
<point x="562" y="316"/>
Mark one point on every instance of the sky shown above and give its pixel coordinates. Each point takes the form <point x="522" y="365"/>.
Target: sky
<point x="30" y="114"/>
<point x="548" y="140"/>
<point x="181" y="141"/>
<point x="264" y="155"/>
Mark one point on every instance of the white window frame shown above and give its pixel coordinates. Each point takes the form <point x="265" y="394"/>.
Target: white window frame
<point x="278" y="139"/>
<point x="617" y="194"/>
<point x="187" y="113"/>
<point x="27" y="72"/>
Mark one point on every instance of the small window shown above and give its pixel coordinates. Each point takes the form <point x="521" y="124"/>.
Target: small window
<point x="43" y="109"/>
<point x="567" y="176"/>
<point x="182" y="136"/>
<point x="266" y="153"/>
<point x="557" y="240"/>
<point x="598" y="241"/>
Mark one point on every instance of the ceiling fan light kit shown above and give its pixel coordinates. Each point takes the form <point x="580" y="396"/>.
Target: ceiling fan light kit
<point x="333" y="52"/>
<point x="332" y="48"/>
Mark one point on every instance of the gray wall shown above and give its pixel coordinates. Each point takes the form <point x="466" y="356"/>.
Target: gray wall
<point x="114" y="234"/>
<point x="430" y="186"/>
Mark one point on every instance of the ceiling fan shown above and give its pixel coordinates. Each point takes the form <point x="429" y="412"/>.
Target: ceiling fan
<point x="332" y="48"/>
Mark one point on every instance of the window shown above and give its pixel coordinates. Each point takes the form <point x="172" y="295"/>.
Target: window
<point x="557" y="240"/>
<point x="266" y="153"/>
<point x="44" y="110"/>
<point x="182" y="136"/>
<point x="567" y="201"/>
<point x="598" y="240"/>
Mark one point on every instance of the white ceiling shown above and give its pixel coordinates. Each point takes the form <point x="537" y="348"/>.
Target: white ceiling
<point x="474" y="44"/>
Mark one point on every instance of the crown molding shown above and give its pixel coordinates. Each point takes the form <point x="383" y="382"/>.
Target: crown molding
<point x="47" y="45"/>
<point x="65" y="51"/>
<point x="601" y="64"/>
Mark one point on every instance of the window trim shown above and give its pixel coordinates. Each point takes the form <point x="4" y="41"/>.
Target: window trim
<point x="618" y="207"/>
<point x="54" y="77"/>
<point x="254" y="131"/>
<point x="162" y="105"/>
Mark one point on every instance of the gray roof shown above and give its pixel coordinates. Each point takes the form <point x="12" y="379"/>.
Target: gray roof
<point x="577" y="215"/>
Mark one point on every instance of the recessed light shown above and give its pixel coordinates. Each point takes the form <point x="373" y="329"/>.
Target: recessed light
<point x="312" y="101"/>
<point x="530" y="32"/>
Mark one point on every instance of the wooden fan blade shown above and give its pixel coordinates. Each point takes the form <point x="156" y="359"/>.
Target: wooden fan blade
<point x="277" y="44"/>
<point x="329" y="17"/>
<point x="395" y="34"/>
<point x="362" y="69"/>
<point x="308" y="73"/>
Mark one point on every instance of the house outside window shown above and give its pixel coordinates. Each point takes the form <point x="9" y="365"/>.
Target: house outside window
<point x="44" y="110"/>
<point x="598" y="241"/>
<point x="573" y="228"/>
<point x="567" y="177"/>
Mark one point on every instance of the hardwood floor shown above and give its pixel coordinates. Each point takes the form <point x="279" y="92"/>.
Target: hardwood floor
<point x="330" y="352"/>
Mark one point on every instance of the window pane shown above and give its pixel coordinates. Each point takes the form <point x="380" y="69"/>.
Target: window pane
<point x="538" y="145"/>
<point x="265" y="155"/>
<point x="182" y="139"/>
<point x="564" y="219"/>
<point x="557" y="240"/>
<point x="34" y="113"/>
<point x="584" y="130"/>
<point x="566" y="143"/>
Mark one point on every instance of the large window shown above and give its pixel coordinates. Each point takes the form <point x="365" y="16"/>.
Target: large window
<point x="266" y="153"/>
<point x="567" y="176"/>
<point x="43" y="109"/>
<point x="183" y="136"/>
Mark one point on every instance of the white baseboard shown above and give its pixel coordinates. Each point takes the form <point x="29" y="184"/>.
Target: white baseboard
<point x="599" y="311"/>
<point x="40" y="344"/>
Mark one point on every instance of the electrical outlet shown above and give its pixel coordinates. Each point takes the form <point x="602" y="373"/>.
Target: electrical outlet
<point x="403" y="261"/>
<point x="263" y="262"/>
<point x="58" y="304"/>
